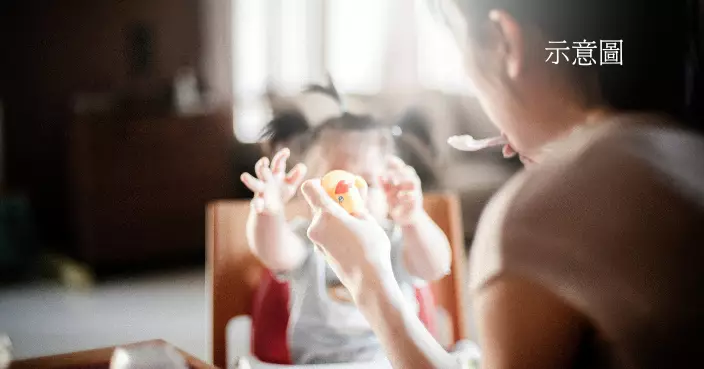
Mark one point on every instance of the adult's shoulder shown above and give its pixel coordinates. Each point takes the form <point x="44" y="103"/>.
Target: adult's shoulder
<point x="611" y="164"/>
<point x="598" y="189"/>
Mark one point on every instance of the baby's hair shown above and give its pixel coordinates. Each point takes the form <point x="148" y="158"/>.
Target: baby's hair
<point x="292" y="124"/>
<point x="329" y="91"/>
<point x="346" y="121"/>
<point x="284" y="127"/>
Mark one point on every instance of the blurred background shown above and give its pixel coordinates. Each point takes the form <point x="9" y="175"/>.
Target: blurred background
<point x="121" y="119"/>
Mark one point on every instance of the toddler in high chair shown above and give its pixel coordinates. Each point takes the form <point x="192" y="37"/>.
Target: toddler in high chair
<point x="324" y="324"/>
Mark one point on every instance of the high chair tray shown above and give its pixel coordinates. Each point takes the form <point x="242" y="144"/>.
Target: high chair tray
<point x="249" y="362"/>
<point x="467" y="351"/>
<point x="93" y="359"/>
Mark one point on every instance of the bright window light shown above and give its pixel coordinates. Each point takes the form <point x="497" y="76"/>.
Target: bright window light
<point x="356" y="43"/>
<point x="250" y="34"/>
<point x="250" y="118"/>
<point x="292" y="43"/>
<point x="294" y="38"/>
<point x="250" y="38"/>
<point x="440" y="60"/>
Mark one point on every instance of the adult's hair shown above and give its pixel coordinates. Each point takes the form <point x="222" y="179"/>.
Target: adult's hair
<point x="659" y="49"/>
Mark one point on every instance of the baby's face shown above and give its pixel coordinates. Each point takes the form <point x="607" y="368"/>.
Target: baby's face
<point x="358" y="153"/>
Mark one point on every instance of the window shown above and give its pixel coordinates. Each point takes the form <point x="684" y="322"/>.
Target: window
<point x="250" y="66"/>
<point x="356" y="43"/>
<point x="292" y="43"/>
<point x="440" y="60"/>
<point x="275" y="41"/>
<point x="293" y="62"/>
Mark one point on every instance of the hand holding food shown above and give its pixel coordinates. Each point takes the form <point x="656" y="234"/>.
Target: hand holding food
<point x="346" y="189"/>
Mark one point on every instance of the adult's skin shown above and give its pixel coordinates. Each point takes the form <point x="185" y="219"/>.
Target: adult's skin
<point x="514" y="338"/>
<point x="521" y="323"/>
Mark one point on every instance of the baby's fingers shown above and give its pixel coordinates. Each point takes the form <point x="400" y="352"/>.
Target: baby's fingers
<point x="410" y="173"/>
<point x="262" y="169"/>
<point x="296" y="175"/>
<point x="402" y="211"/>
<point x="406" y="186"/>
<point x="252" y="183"/>
<point x="407" y="196"/>
<point x="387" y="184"/>
<point x="396" y="163"/>
<point x="278" y="163"/>
<point x="393" y="186"/>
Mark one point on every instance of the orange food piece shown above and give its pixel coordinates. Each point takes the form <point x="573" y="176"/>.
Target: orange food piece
<point x="346" y="189"/>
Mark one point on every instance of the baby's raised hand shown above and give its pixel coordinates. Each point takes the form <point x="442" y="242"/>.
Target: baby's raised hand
<point x="273" y="187"/>
<point x="403" y="191"/>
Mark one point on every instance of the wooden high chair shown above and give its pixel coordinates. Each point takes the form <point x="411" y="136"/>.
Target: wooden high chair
<point x="234" y="273"/>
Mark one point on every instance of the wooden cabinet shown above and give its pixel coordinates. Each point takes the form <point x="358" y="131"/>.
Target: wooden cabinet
<point x="139" y="187"/>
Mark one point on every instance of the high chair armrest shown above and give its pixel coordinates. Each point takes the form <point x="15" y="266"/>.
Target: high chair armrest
<point x="239" y="333"/>
<point x="466" y="350"/>
<point x="250" y="362"/>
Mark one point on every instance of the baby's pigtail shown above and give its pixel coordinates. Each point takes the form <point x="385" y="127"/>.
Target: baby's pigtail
<point x="329" y="91"/>
<point x="285" y="126"/>
<point x="288" y="121"/>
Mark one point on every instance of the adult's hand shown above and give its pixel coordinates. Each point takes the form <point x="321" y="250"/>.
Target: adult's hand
<point x="358" y="251"/>
<point x="356" y="246"/>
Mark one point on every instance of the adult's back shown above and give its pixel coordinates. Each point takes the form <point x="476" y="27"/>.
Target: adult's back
<point x="612" y="223"/>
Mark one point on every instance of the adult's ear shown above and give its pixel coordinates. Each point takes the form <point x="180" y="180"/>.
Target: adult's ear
<point x="510" y="41"/>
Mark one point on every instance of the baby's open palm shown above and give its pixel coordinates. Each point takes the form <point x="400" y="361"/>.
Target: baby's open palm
<point x="403" y="191"/>
<point x="273" y="187"/>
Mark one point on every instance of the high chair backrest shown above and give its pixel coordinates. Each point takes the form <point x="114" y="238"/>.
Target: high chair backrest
<point x="234" y="273"/>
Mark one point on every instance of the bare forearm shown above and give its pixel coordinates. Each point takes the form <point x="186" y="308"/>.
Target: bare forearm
<point x="426" y="248"/>
<point x="407" y="342"/>
<point x="272" y="241"/>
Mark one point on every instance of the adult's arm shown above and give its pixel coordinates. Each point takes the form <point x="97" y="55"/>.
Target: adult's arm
<point x="358" y="250"/>
<point x="542" y="248"/>
<point x="407" y="342"/>
<point x="522" y="325"/>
